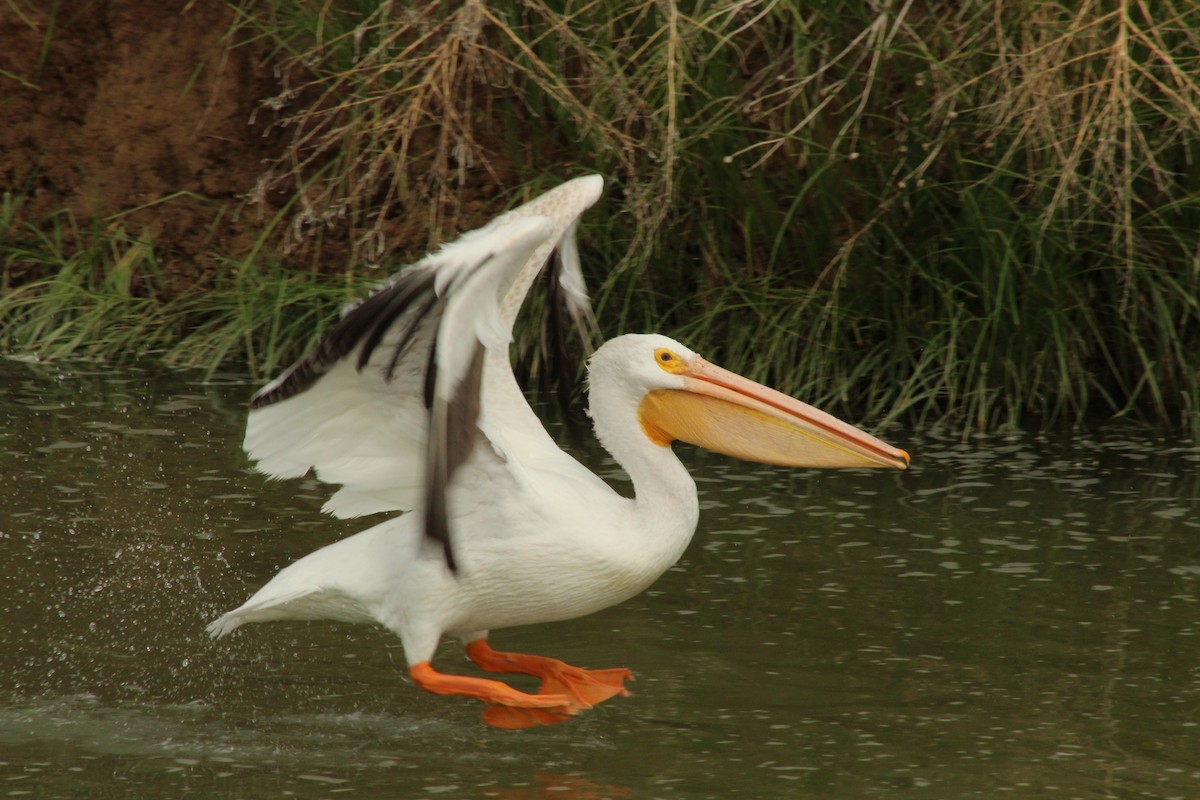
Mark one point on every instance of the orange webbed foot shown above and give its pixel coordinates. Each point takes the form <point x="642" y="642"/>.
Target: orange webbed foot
<point x="506" y="707"/>
<point x="587" y="686"/>
<point x="590" y="686"/>
<point x="517" y="718"/>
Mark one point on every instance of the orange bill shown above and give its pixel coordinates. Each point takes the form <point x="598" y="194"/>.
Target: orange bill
<point x="726" y="413"/>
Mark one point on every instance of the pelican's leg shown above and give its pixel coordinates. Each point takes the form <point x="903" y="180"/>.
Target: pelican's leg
<point x="587" y="686"/>
<point x="506" y="707"/>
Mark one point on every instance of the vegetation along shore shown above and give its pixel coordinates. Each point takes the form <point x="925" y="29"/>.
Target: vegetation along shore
<point x="972" y="214"/>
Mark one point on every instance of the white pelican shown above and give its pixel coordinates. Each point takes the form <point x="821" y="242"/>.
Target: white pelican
<point x="409" y="402"/>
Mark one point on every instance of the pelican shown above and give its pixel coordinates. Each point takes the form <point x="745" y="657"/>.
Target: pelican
<point x="409" y="402"/>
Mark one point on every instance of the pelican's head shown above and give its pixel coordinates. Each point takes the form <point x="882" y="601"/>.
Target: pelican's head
<point x="681" y="396"/>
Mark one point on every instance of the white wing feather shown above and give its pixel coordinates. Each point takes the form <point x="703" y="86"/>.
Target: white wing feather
<point x="366" y="425"/>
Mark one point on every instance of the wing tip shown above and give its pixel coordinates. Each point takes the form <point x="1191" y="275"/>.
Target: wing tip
<point x="519" y="229"/>
<point x="593" y="184"/>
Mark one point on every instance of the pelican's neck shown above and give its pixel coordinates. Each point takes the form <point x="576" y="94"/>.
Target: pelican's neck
<point x="664" y="492"/>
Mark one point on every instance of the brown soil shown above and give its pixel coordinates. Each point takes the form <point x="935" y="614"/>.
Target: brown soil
<point x="151" y="117"/>
<point x="145" y="114"/>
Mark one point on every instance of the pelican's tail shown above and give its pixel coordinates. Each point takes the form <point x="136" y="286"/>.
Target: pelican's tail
<point x="224" y="625"/>
<point x="304" y="603"/>
<point x="336" y="582"/>
<point x="267" y="606"/>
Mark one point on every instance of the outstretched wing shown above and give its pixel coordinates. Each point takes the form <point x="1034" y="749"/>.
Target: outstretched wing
<point x="387" y="403"/>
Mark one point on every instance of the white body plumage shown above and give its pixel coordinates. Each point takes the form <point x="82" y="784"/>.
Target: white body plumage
<point x="410" y="404"/>
<point x="546" y="540"/>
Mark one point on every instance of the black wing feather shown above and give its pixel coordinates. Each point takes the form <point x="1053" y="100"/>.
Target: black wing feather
<point x="366" y="323"/>
<point x="562" y="324"/>
<point x="453" y="429"/>
<point x="453" y="421"/>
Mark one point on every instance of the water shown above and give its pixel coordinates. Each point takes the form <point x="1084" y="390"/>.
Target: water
<point x="1013" y="614"/>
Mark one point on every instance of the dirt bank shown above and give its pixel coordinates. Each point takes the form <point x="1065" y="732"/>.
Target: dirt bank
<point x="140" y="113"/>
<point x="155" y="118"/>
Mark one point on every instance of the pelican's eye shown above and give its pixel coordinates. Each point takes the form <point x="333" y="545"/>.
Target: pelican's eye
<point x="669" y="361"/>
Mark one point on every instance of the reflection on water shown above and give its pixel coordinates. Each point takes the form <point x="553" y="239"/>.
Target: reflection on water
<point x="1014" y="613"/>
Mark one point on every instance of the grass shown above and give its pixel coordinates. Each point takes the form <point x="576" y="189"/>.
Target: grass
<point x="259" y="314"/>
<point x="98" y="295"/>
<point x="90" y="296"/>
<point x="977" y="215"/>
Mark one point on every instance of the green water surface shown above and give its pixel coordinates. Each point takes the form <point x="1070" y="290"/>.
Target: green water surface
<point x="1014" y="614"/>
